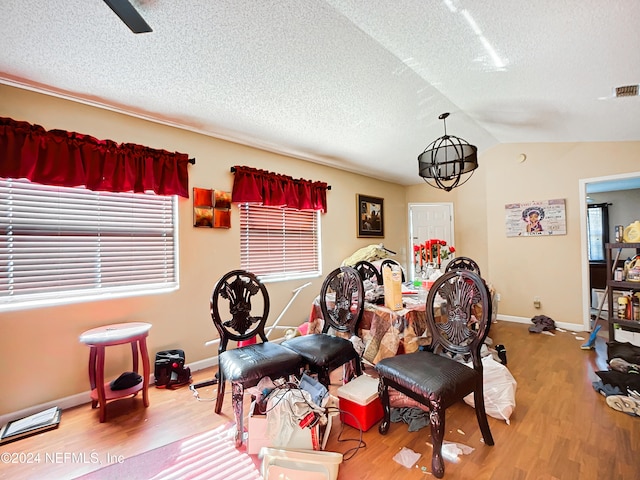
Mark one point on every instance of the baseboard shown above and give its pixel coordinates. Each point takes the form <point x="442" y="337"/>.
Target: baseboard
<point x="85" y="397"/>
<point x="574" y="327"/>
<point x="63" y="403"/>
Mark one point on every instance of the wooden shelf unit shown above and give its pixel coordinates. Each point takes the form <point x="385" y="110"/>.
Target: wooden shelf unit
<point x="612" y="285"/>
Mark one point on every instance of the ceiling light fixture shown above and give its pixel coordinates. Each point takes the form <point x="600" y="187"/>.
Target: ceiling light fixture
<point x="448" y="161"/>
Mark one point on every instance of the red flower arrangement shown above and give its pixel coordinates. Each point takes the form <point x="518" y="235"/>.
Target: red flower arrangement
<point x="432" y="251"/>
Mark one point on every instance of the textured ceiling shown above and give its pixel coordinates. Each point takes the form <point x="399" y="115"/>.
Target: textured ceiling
<point x="355" y="84"/>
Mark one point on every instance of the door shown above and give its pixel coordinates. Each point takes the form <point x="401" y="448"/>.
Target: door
<point x="428" y="221"/>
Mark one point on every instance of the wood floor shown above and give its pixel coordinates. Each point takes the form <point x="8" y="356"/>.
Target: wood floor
<point x="560" y="429"/>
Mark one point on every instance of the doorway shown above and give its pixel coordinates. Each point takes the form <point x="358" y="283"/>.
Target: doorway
<point x="428" y="221"/>
<point x="600" y="185"/>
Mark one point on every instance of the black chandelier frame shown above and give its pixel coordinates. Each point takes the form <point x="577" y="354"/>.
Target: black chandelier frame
<point x="447" y="162"/>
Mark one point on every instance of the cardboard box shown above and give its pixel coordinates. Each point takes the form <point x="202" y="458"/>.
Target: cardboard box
<point x="360" y="405"/>
<point x="392" y="280"/>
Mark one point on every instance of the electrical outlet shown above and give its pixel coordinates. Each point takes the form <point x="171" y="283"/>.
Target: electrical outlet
<point x="536" y="302"/>
<point x="497" y="297"/>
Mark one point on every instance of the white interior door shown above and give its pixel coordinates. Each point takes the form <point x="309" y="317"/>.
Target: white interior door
<point x="428" y="221"/>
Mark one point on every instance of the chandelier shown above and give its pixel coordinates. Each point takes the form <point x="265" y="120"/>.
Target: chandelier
<point x="448" y="161"/>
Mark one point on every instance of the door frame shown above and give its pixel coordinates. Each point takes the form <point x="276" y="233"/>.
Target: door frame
<point x="586" y="290"/>
<point x="410" y="237"/>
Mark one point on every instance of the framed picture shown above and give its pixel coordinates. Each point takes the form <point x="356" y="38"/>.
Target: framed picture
<point x="211" y="208"/>
<point x="539" y="218"/>
<point x="370" y="216"/>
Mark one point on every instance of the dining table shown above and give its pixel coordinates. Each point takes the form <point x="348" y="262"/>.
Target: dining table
<point x="385" y="332"/>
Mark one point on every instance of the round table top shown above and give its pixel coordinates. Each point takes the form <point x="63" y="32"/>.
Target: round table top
<point x="115" y="333"/>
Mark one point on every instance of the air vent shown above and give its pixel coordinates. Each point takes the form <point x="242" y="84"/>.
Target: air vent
<point x="627" y="91"/>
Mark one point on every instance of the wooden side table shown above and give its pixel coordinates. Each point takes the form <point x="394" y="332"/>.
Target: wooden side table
<point x="97" y="339"/>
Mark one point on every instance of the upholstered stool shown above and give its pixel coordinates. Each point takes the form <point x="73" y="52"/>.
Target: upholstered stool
<point x="98" y="339"/>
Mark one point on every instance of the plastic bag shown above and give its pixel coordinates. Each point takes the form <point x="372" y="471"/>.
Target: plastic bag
<point x="499" y="390"/>
<point x="406" y="457"/>
<point x="451" y="450"/>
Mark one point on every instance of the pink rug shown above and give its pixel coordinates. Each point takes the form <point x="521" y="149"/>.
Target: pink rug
<point x="210" y="455"/>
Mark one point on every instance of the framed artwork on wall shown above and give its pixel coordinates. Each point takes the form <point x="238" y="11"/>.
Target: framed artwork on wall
<point x="202" y="207"/>
<point x="370" y="216"/>
<point x="539" y="218"/>
<point x="211" y="208"/>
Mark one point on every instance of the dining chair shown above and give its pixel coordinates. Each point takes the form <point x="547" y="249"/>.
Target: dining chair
<point x="239" y="309"/>
<point x="368" y="271"/>
<point x="342" y="305"/>
<point x="458" y="308"/>
<point x="390" y="262"/>
<point x="463" y="263"/>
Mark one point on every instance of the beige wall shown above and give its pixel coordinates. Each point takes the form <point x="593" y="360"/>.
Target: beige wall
<point x="45" y="361"/>
<point x="523" y="268"/>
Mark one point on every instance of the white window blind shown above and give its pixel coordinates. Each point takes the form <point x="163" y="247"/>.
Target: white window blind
<point x="279" y="243"/>
<point x="59" y="245"/>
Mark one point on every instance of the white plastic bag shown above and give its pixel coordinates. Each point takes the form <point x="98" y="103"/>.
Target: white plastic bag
<point x="499" y="390"/>
<point x="451" y="450"/>
<point x="406" y="457"/>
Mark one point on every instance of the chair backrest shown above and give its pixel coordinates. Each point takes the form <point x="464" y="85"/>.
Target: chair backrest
<point x="239" y="307"/>
<point x="368" y="271"/>
<point x="391" y="263"/>
<point x="342" y="300"/>
<point x="463" y="263"/>
<point x="458" y="315"/>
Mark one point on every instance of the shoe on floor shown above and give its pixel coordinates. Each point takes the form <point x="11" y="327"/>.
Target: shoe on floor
<point x="621" y="365"/>
<point x="634" y="394"/>
<point x="625" y="404"/>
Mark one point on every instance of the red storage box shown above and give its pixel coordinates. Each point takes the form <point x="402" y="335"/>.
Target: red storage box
<point x="359" y="403"/>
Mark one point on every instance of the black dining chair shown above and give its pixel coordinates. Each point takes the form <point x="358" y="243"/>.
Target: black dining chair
<point x="239" y="309"/>
<point x="463" y="263"/>
<point x="391" y="263"/>
<point x="458" y="308"/>
<point x="368" y="271"/>
<point x="342" y="305"/>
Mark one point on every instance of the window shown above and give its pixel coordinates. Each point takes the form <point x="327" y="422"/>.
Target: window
<point x="64" y="245"/>
<point x="279" y="243"/>
<point x="598" y="230"/>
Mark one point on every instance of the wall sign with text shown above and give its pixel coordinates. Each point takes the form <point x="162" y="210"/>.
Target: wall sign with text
<point x="546" y="217"/>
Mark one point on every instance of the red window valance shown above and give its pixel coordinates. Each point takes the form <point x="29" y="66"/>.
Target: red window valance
<point x="69" y="159"/>
<point x="251" y="185"/>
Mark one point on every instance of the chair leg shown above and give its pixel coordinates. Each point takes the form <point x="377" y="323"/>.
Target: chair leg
<point x="383" y="392"/>
<point x="237" y="396"/>
<point x="481" y="415"/>
<point x="436" y="419"/>
<point x="324" y="376"/>
<point x="220" y="396"/>
<point x="358" y="366"/>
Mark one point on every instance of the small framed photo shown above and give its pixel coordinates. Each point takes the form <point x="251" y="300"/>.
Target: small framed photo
<point x="370" y="216"/>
